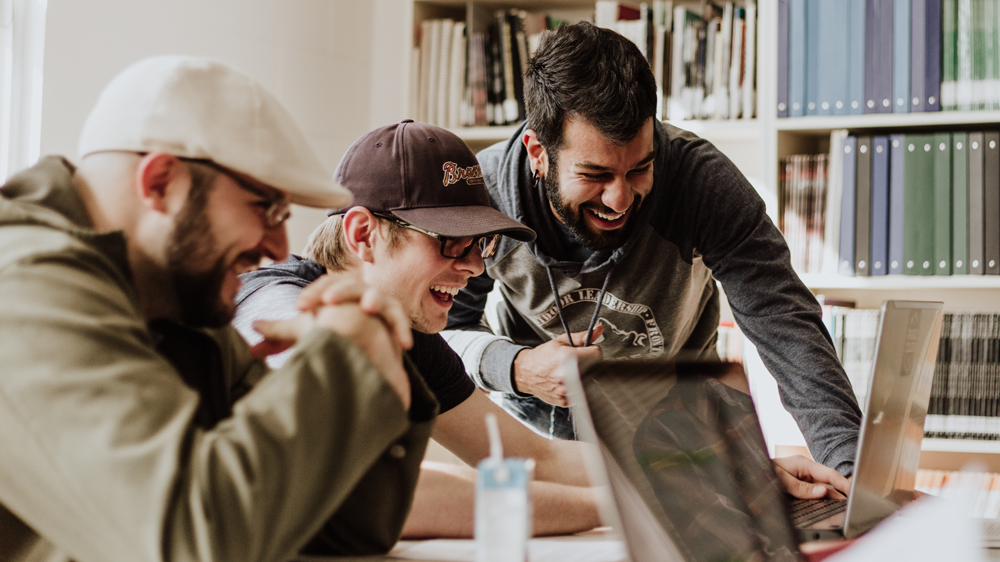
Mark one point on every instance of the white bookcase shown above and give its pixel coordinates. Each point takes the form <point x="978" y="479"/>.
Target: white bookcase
<point x="755" y="146"/>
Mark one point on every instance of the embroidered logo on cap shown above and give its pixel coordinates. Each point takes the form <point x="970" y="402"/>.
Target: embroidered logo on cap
<point x="473" y="175"/>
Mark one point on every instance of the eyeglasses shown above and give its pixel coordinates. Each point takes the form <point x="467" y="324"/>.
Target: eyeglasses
<point x="279" y="208"/>
<point x="454" y="248"/>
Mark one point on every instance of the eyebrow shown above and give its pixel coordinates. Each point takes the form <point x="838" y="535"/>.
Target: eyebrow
<point x="598" y="168"/>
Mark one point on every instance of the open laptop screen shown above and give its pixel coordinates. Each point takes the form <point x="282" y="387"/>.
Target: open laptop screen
<point x="684" y="438"/>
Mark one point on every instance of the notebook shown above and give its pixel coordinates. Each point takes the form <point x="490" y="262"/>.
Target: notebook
<point x="684" y="457"/>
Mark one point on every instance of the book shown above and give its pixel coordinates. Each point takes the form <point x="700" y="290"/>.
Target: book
<point x="942" y="203"/>
<point x="991" y="202"/>
<point x="863" y="207"/>
<point x="457" y="104"/>
<point x="783" y="20"/>
<point x="440" y="101"/>
<point x="797" y="58"/>
<point x="880" y="206"/>
<point x="963" y="55"/>
<point x="901" y="56"/>
<point x="434" y="73"/>
<point x="847" y="206"/>
<point x="835" y="182"/>
<point x="749" y="60"/>
<point x="976" y="213"/>
<point x="959" y="203"/>
<point x="897" y="167"/>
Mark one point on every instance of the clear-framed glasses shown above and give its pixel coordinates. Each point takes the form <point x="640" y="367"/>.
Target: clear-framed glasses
<point x="279" y="208"/>
<point x="454" y="248"/>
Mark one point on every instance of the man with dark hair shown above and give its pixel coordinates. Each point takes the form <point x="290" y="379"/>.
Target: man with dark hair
<point x="636" y="220"/>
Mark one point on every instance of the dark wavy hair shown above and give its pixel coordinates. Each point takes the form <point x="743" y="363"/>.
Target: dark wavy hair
<point x="588" y="72"/>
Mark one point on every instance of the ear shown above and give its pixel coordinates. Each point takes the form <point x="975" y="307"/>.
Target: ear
<point x="360" y="230"/>
<point x="158" y="181"/>
<point x="537" y="156"/>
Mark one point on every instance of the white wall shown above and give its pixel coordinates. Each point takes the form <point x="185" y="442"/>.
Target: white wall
<point x="314" y="55"/>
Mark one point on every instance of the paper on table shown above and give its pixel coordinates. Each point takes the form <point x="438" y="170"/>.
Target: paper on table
<point x="930" y="529"/>
<point x="539" y="550"/>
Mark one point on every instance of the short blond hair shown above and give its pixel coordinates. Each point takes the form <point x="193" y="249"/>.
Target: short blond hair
<point x="327" y="247"/>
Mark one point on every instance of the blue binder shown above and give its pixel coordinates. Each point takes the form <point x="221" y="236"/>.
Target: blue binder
<point x="814" y="64"/>
<point x="901" y="56"/>
<point x="873" y="56"/>
<point x="880" y="206"/>
<point x="797" y="58"/>
<point x="885" y="50"/>
<point x="833" y="40"/>
<point x="856" y="58"/>
<point x="846" y="264"/>
<point x="783" y="21"/>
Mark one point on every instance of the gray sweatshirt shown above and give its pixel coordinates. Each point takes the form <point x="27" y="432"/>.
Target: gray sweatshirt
<point x="701" y="222"/>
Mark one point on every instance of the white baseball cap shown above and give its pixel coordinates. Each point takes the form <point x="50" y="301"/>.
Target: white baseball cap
<point x="199" y="108"/>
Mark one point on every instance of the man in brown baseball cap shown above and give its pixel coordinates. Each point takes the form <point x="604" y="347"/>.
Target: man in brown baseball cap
<point x="419" y="229"/>
<point x="134" y="423"/>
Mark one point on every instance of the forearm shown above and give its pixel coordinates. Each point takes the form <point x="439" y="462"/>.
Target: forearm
<point x="444" y="505"/>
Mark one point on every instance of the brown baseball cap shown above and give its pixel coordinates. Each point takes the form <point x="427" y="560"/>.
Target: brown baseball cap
<point x="426" y="176"/>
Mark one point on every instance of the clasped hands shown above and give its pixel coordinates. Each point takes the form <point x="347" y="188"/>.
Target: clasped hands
<point x="372" y="320"/>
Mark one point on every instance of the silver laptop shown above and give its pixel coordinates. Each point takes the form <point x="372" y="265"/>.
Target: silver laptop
<point x="683" y="454"/>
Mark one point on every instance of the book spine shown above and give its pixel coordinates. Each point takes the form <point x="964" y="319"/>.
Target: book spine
<point x="873" y="56"/>
<point x="901" y="56"/>
<point x="796" y="57"/>
<point x="942" y="203"/>
<point x="918" y="54"/>
<point x="949" y="34"/>
<point x="863" y="207"/>
<point x="847" y="207"/>
<point x="991" y="202"/>
<point x="783" y="63"/>
<point x="963" y="55"/>
<point x="880" y="206"/>
<point x="932" y="41"/>
<point x="750" y="61"/>
<point x="897" y="161"/>
<point x="884" y="64"/>
<point x="976" y="213"/>
<point x="857" y="57"/>
<point x="960" y="203"/>
<point x="814" y="67"/>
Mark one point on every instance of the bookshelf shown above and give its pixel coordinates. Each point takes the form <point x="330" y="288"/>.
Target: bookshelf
<point x="755" y="146"/>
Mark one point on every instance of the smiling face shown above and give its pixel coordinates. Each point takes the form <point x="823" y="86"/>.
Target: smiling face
<point x="595" y="187"/>
<point x="425" y="282"/>
<point x="220" y="233"/>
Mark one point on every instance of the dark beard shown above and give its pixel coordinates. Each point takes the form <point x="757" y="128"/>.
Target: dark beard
<point x="198" y="292"/>
<point x="605" y="240"/>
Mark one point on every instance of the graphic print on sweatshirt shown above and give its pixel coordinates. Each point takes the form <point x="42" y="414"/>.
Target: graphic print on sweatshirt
<point x="632" y="327"/>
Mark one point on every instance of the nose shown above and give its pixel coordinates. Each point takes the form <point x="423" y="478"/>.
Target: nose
<point x="617" y="195"/>
<point x="274" y="244"/>
<point x="472" y="263"/>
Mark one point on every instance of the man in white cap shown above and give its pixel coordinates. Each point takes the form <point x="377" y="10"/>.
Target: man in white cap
<point x="134" y="423"/>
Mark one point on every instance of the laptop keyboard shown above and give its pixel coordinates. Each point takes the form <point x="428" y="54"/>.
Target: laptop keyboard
<point x="806" y="512"/>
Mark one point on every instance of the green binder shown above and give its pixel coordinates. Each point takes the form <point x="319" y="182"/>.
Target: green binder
<point x="960" y="203"/>
<point x="918" y="206"/>
<point x="941" y="148"/>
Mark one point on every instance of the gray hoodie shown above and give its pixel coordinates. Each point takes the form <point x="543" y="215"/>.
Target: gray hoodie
<point x="701" y="222"/>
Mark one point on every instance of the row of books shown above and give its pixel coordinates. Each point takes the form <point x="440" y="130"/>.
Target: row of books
<point x="839" y="57"/>
<point x="920" y="204"/>
<point x="802" y="198"/>
<point x="965" y="397"/>
<point x="965" y="393"/>
<point x="942" y="483"/>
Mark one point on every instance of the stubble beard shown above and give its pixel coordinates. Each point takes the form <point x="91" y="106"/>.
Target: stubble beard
<point x="574" y="220"/>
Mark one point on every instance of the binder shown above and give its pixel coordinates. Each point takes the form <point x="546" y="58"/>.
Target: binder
<point x="833" y="41"/>
<point x="901" y="56"/>
<point x="863" y="207"/>
<point x="949" y="60"/>
<point x="918" y="54"/>
<point x="880" y="206"/>
<point x="797" y="58"/>
<point x="942" y="203"/>
<point x="883" y="34"/>
<point x="932" y="59"/>
<point x="976" y="213"/>
<point x="847" y="207"/>
<point x="783" y="22"/>
<point x="960" y="203"/>
<point x="897" y="163"/>
<point x="873" y="56"/>
<point x="991" y="202"/>
<point x="918" y="201"/>
<point x="856" y="56"/>
<point x="814" y="68"/>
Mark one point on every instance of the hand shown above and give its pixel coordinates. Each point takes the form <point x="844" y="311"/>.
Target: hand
<point x="537" y="372"/>
<point x="807" y="479"/>
<point x="332" y="289"/>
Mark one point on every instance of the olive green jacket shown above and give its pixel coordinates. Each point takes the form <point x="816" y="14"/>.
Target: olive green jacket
<point x="126" y="441"/>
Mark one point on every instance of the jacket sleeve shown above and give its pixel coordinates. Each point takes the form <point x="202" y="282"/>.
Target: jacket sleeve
<point x="102" y="457"/>
<point x="725" y="221"/>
